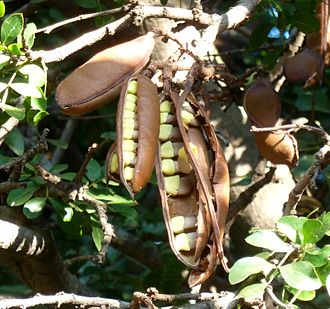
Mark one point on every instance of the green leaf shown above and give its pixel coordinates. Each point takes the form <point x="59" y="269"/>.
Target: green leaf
<point x="301" y="275"/>
<point x="248" y="266"/>
<point x="253" y="291"/>
<point x="29" y="34"/>
<point x="39" y="116"/>
<point x="327" y="284"/>
<point x="163" y="2"/>
<point x="4" y="59"/>
<point x="27" y="90"/>
<point x="2" y="9"/>
<point x="58" y="168"/>
<point x="36" y="74"/>
<point x="15" y="141"/>
<point x="20" y="196"/>
<point x="11" y="28"/>
<point x="109" y="197"/>
<point x="94" y="170"/>
<point x="318" y="257"/>
<point x="302" y="295"/>
<point x="13" y="111"/>
<point x="291" y="227"/>
<point x="39" y="104"/>
<point x="32" y="209"/>
<point x="323" y="272"/>
<point x="268" y="240"/>
<point x="128" y="212"/>
<point x="259" y="35"/>
<point x="15" y="49"/>
<point x="97" y="235"/>
<point x="63" y="210"/>
<point x="312" y="231"/>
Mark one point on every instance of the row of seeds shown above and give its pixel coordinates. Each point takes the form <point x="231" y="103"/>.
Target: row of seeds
<point x="179" y="178"/>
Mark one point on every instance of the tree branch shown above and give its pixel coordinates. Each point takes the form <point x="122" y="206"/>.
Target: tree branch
<point x="230" y="19"/>
<point x="7" y="127"/>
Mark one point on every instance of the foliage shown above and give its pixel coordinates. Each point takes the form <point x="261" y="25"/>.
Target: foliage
<point x="295" y="253"/>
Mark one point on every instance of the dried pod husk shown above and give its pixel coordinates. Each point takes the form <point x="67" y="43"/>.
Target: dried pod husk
<point x="200" y="150"/>
<point x="263" y="107"/>
<point x="137" y="129"/>
<point x="262" y="103"/>
<point x="307" y="66"/>
<point x="98" y="81"/>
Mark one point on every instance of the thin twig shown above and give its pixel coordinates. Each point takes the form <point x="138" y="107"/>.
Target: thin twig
<point x="49" y="29"/>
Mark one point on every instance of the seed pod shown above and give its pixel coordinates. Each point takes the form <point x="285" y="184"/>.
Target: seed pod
<point x="263" y="106"/>
<point x="262" y="103"/>
<point x="98" y="81"/>
<point x="307" y="66"/>
<point x="137" y="134"/>
<point x="192" y="219"/>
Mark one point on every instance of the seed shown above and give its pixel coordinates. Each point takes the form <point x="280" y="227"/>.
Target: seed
<point x="128" y="173"/>
<point x="132" y="87"/>
<point x="114" y="163"/>
<point x="129" y="145"/>
<point x="165" y="106"/>
<point x="129" y="157"/>
<point x="165" y="131"/>
<point x="128" y="132"/>
<point x="127" y="114"/>
<point x="176" y="185"/>
<point x="183" y="155"/>
<point x="130" y="102"/>
<point x="172" y="184"/>
<point x="188" y="118"/>
<point x="167" y="150"/>
<point x="169" y="167"/>
<point x="180" y="223"/>
<point x="185" y="241"/>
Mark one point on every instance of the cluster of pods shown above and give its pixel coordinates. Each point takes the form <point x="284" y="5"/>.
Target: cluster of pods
<point x="169" y="133"/>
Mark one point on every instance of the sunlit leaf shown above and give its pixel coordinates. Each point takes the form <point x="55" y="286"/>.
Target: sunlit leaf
<point x="318" y="257"/>
<point x="33" y="208"/>
<point x="327" y="284"/>
<point x="302" y="295"/>
<point x="25" y="89"/>
<point x="62" y="209"/>
<point x="29" y="34"/>
<point x="36" y="74"/>
<point x="39" y="104"/>
<point x="291" y="226"/>
<point x="2" y="9"/>
<point x="39" y="116"/>
<point x="268" y="240"/>
<point x="3" y="86"/>
<point x="301" y="275"/>
<point x="312" y="231"/>
<point x="11" y="28"/>
<point x="248" y="266"/>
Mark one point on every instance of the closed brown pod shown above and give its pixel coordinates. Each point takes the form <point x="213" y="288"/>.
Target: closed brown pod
<point x="98" y="81"/>
<point x="263" y="106"/>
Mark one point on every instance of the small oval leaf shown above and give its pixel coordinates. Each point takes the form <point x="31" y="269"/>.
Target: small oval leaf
<point x="33" y="208"/>
<point x="20" y="196"/>
<point x="27" y="90"/>
<point x="301" y="275"/>
<point x="11" y="28"/>
<point x="268" y="240"/>
<point x="247" y="266"/>
<point x="253" y="291"/>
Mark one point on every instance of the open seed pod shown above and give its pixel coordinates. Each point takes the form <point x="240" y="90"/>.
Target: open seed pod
<point x="132" y="159"/>
<point x="307" y="66"/>
<point x="263" y="107"/>
<point x="98" y="81"/>
<point x="188" y="171"/>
